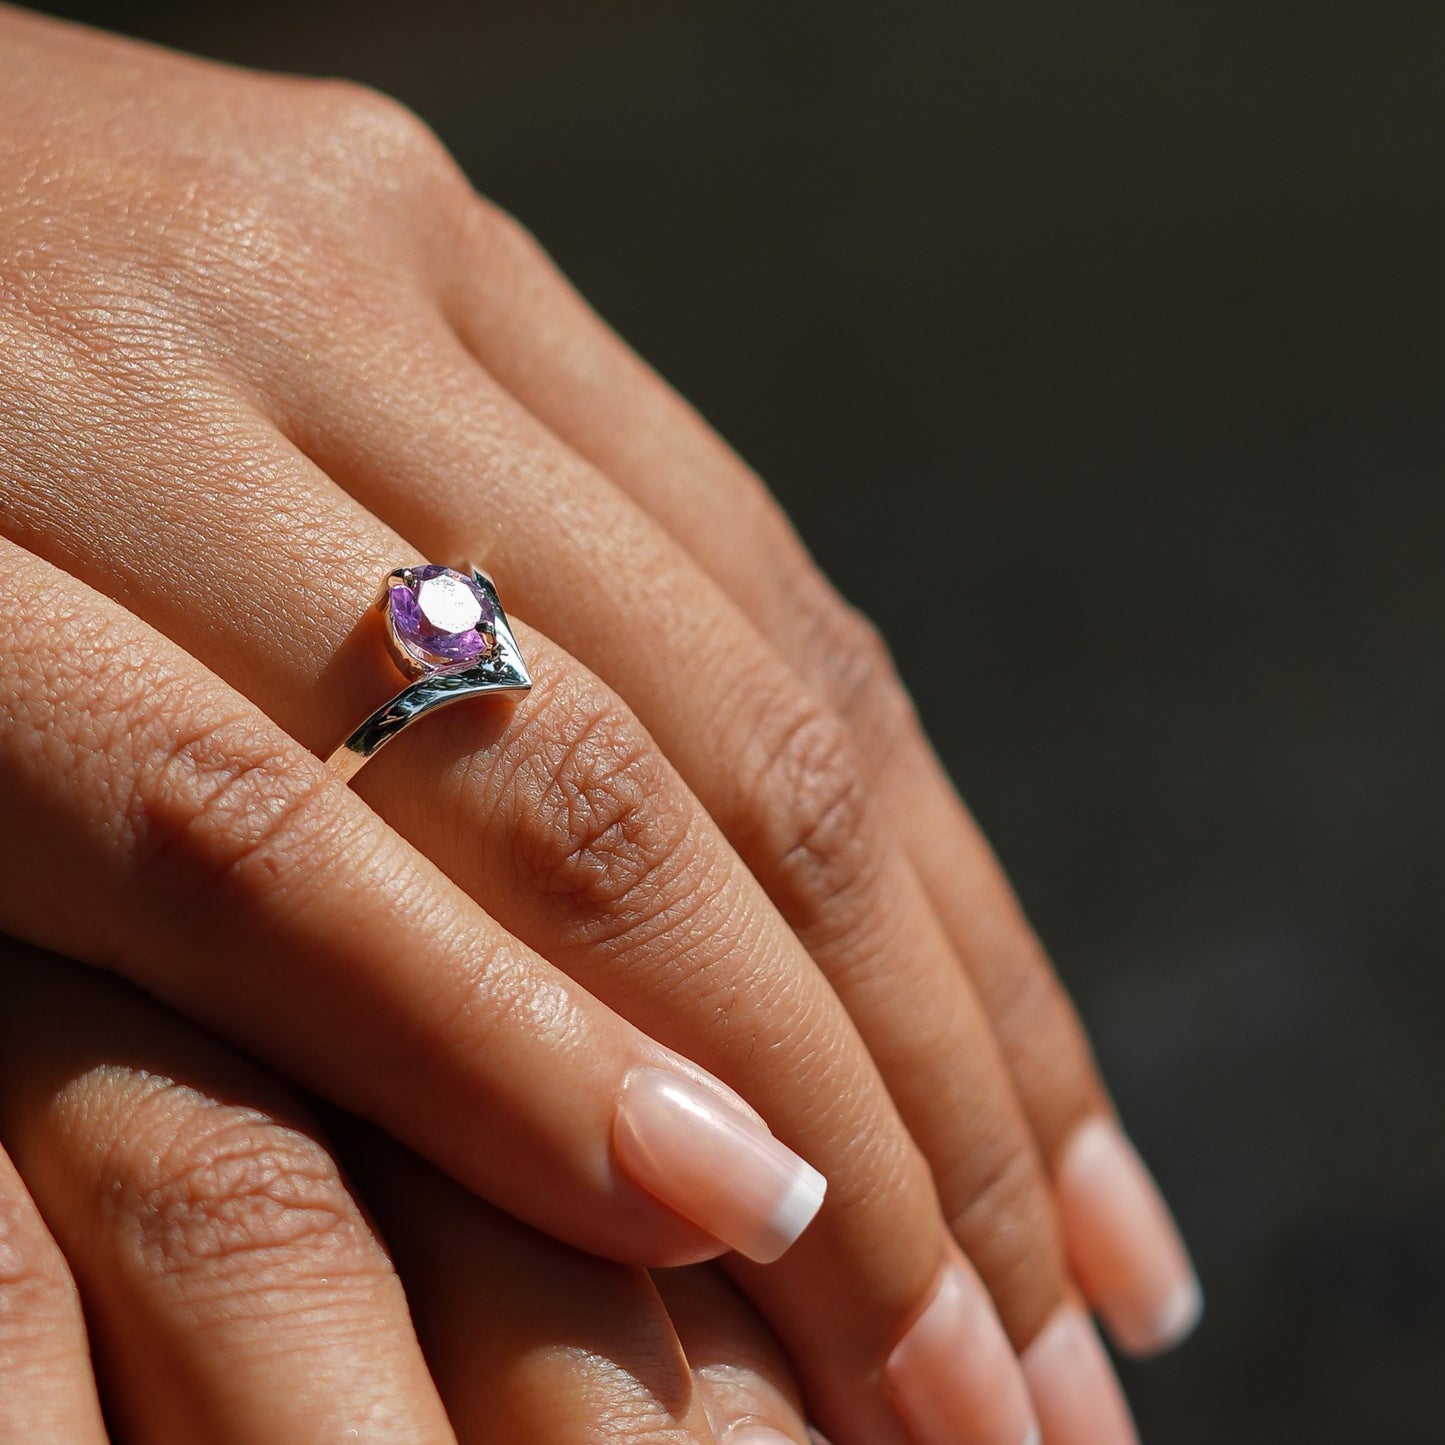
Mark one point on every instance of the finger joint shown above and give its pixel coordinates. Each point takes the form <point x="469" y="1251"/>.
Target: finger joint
<point x="598" y="811"/>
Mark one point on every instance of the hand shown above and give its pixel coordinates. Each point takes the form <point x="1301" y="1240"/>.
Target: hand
<point x="236" y="1289"/>
<point x="279" y="305"/>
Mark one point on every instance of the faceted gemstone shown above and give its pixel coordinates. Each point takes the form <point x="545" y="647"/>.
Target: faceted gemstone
<point x="441" y="617"/>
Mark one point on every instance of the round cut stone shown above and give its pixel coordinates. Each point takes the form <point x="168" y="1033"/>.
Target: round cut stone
<point x="441" y="617"/>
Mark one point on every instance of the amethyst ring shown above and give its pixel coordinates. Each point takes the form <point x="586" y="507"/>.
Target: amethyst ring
<point x="448" y="635"/>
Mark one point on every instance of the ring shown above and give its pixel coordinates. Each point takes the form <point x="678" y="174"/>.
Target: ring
<point x="447" y="633"/>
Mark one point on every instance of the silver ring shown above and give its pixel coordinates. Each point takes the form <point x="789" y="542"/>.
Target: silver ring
<point x="446" y="631"/>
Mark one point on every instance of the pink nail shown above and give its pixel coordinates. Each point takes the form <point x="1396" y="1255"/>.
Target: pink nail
<point x="954" y="1377"/>
<point x="757" y="1435"/>
<point x="1074" y="1387"/>
<point x="715" y="1166"/>
<point x="1123" y="1244"/>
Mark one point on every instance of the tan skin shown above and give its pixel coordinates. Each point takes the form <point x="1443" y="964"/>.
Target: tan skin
<point x="237" y="1290"/>
<point x="259" y="343"/>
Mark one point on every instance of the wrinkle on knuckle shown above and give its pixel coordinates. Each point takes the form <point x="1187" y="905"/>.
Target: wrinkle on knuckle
<point x="595" y="809"/>
<point x="212" y="1189"/>
<point x="1039" y="1035"/>
<point x="1023" y="998"/>
<point x="852" y="662"/>
<point x="214" y="808"/>
<point x="814" y="836"/>
<point x="1004" y="1220"/>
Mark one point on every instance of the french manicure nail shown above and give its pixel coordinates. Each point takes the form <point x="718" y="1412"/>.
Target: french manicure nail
<point x="954" y="1377"/>
<point x="1123" y="1244"/>
<point x="1074" y="1388"/>
<point x="713" y="1165"/>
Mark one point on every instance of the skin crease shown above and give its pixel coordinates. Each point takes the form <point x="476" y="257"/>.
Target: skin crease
<point x="237" y="1290"/>
<point x="269" y="299"/>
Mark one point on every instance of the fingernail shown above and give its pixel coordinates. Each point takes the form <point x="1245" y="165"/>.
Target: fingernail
<point x="954" y="1377"/>
<point x="714" y="1165"/>
<point x="757" y="1435"/>
<point x="1075" y="1390"/>
<point x="1123" y="1244"/>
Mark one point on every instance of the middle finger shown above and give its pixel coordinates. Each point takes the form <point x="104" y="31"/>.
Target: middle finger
<point x="772" y="764"/>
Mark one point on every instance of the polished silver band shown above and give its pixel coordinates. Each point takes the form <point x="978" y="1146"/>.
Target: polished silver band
<point x="499" y="670"/>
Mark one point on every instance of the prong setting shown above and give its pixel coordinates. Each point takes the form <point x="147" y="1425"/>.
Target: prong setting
<point x="455" y="643"/>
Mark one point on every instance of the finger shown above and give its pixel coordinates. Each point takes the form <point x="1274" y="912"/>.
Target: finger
<point x="550" y="350"/>
<point x="223" y="871"/>
<point x="233" y="1287"/>
<point x="527" y="1340"/>
<point x="686" y="946"/>
<point x="742" y="1372"/>
<point x="769" y="764"/>
<point x="47" y="1391"/>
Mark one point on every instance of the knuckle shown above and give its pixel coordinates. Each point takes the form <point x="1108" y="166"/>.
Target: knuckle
<point x="508" y="251"/>
<point x="597" y="812"/>
<point x="1040" y="1037"/>
<point x="209" y="1188"/>
<point x="384" y="123"/>
<point x="854" y="665"/>
<point x="377" y="140"/>
<point x="190" y="796"/>
<point x="1004" y="1221"/>
<point x="215" y="806"/>
<point x="1026" y="1000"/>
<point x="815" y="834"/>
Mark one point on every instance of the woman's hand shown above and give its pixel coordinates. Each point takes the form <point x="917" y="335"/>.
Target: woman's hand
<point x="261" y="343"/>
<point x="235" y="1287"/>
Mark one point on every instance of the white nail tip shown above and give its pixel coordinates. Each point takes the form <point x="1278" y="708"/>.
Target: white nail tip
<point x="1180" y="1317"/>
<point x="796" y="1210"/>
<point x="712" y="1165"/>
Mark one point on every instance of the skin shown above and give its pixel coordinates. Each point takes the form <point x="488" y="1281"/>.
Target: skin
<point x="237" y="1289"/>
<point x="262" y="343"/>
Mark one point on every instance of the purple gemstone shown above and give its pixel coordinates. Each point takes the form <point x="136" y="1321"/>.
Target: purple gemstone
<point x="441" y="617"/>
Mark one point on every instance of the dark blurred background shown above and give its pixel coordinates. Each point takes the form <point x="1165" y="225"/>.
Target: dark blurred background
<point x="1099" y="352"/>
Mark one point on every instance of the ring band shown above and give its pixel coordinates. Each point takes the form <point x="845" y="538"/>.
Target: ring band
<point x="446" y="631"/>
